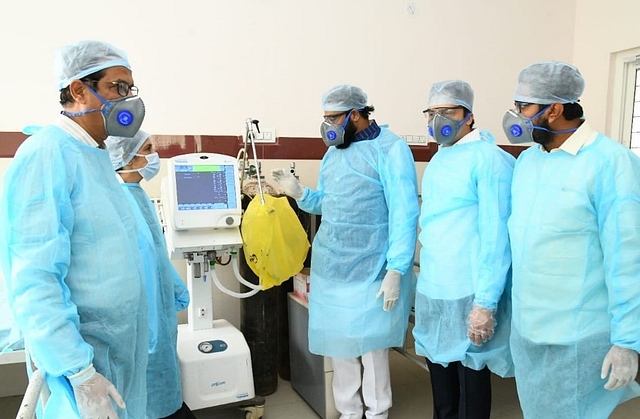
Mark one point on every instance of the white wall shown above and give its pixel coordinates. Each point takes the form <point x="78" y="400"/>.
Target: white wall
<point x="602" y="29"/>
<point x="204" y="66"/>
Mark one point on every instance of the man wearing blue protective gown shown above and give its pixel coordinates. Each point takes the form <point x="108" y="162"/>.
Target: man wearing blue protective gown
<point x="73" y="271"/>
<point x="363" y="250"/>
<point x="462" y="299"/>
<point x="575" y="243"/>
<point x="134" y="159"/>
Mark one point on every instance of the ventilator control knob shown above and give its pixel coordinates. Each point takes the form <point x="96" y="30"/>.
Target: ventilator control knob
<point x="229" y="220"/>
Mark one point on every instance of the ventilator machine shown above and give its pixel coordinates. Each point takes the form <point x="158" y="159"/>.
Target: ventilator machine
<point x="201" y="210"/>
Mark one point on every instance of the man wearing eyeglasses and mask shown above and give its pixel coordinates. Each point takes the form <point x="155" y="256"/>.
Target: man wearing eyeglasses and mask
<point x="462" y="303"/>
<point x="575" y="244"/>
<point x="362" y="255"/>
<point x="73" y="270"/>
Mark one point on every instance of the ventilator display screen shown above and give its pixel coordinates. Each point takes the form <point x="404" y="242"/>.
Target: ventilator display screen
<point x="205" y="187"/>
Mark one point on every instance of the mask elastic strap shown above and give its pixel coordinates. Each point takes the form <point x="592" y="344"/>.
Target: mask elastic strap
<point x="346" y="120"/>
<point x="104" y="101"/>
<point x="464" y="121"/>
<point x="530" y="120"/>
<point x="562" y="131"/>
<point x="543" y="110"/>
<point x="86" y="111"/>
<point x="132" y="170"/>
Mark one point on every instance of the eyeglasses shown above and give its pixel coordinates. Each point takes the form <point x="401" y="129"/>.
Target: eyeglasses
<point x="124" y="88"/>
<point x="332" y="119"/>
<point x="448" y="112"/>
<point x="521" y="105"/>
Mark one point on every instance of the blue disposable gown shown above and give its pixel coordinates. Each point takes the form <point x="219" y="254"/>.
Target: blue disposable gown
<point x="73" y="271"/>
<point x="575" y="238"/>
<point x="368" y="197"/>
<point x="167" y="294"/>
<point x="465" y="256"/>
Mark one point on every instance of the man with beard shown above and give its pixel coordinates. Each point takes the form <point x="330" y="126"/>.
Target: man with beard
<point x="575" y="241"/>
<point x="363" y="250"/>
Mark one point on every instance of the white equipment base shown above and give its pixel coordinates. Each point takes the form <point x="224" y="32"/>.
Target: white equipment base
<point x="215" y="365"/>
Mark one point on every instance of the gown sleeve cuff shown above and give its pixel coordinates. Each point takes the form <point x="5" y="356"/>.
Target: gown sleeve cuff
<point x="486" y="304"/>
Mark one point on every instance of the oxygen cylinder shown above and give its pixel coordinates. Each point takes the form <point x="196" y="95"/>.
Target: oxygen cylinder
<point x="258" y="319"/>
<point x="264" y="317"/>
<point x="259" y="325"/>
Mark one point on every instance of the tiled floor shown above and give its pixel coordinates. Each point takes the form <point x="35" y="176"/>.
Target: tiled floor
<point x="411" y="399"/>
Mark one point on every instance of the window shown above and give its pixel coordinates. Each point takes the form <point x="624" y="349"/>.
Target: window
<point x="624" y="116"/>
<point x="635" y="120"/>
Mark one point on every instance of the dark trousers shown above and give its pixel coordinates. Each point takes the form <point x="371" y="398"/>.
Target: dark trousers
<point x="183" y="413"/>
<point x="460" y="392"/>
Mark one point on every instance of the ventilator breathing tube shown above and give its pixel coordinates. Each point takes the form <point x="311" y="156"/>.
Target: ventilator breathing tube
<point x="234" y="264"/>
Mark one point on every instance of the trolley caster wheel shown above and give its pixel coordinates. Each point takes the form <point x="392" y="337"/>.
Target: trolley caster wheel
<point x="253" y="412"/>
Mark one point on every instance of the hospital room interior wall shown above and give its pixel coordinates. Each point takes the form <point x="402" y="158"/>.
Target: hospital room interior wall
<point x="602" y="28"/>
<point x="203" y="67"/>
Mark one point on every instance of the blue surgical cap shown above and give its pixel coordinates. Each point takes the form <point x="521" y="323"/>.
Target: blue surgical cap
<point x="75" y="61"/>
<point x="123" y="149"/>
<point x="344" y="98"/>
<point x="451" y="92"/>
<point x="549" y="82"/>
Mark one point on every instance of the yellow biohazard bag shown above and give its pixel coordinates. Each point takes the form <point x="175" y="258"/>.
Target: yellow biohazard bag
<point x="274" y="243"/>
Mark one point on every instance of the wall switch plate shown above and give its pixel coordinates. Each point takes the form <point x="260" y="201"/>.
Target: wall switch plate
<point x="266" y="135"/>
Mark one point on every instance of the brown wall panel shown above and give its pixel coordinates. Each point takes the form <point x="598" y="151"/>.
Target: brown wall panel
<point x="285" y="148"/>
<point x="9" y="143"/>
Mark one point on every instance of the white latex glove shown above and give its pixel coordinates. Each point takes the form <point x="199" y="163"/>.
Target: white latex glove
<point x="390" y="288"/>
<point x="93" y="395"/>
<point x="481" y="324"/>
<point x="623" y="364"/>
<point x="289" y="183"/>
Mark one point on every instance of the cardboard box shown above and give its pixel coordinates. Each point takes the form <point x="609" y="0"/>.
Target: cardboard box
<point x="301" y="284"/>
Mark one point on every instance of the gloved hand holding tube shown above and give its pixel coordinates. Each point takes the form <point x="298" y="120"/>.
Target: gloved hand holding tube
<point x="390" y="288"/>
<point x="622" y="366"/>
<point x="93" y="394"/>
<point x="288" y="182"/>
<point x="481" y="324"/>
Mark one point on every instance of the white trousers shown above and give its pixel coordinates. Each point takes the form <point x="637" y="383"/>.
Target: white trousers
<point x="371" y="372"/>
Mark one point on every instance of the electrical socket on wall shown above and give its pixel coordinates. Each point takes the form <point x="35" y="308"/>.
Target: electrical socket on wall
<point x="266" y="135"/>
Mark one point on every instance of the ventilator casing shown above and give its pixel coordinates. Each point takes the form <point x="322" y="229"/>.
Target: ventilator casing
<point x="201" y="212"/>
<point x="215" y="365"/>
